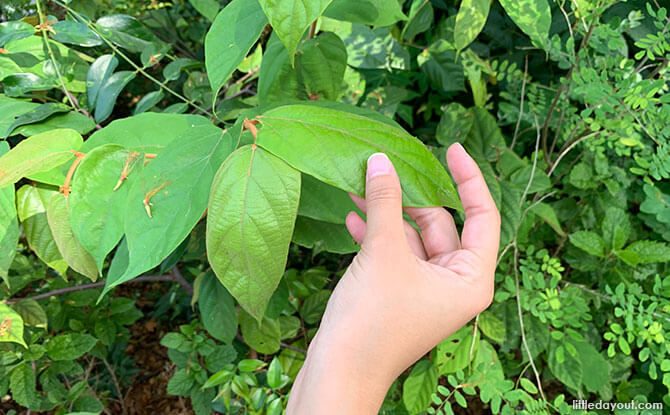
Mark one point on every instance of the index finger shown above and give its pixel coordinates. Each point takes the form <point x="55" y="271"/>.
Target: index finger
<point x="481" y="231"/>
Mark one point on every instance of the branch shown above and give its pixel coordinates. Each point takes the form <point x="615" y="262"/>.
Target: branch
<point x="182" y="281"/>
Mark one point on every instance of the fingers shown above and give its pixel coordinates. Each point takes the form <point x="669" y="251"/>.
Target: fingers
<point x="438" y="230"/>
<point x="481" y="231"/>
<point x="356" y="227"/>
<point x="383" y="201"/>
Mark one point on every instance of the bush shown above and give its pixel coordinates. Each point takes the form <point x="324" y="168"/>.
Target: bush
<point x="200" y="154"/>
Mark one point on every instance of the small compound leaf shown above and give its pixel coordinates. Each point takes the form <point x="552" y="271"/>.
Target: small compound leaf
<point x="97" y="206"/>
<point x="251" y="214"/>
<point x="290" y="19"/>
<point x="31" y="205"/>
<point x="11" y="326"/>
<point x="320" y="132"/>
<point x="39" y="153"/>
<point x="217" y="309"/>
<point x="230" y="38"/>
<point x="73" y="253"/>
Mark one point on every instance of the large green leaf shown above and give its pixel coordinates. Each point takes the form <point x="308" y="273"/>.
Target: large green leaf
<point x="336" y="144"/>
<point x="369" y="12"/>
<point x="589" y="242"/>
<point x="11" y="326"/>
<point x="76" y="33"/>
<point x="323" y="236"/>
<point x="646" y="252"/>
<point x="127" y="32"/>
<point x="217" y="309"/>
<point x="9" y="225"/>
<point x="14" y="30"/>
<point x="32" y="313"/>
<point x="532" y="16"/>
<point x="230" y="38"/>
<point x="73" y="253"/>
<point x="455" y="124"/>
<point x="109" y="91"/>
<point x="596" y="368"/>
<point x="419" y="386"/>
<point x="99" y="71"/>
<point x="31" y="205"/>
<point x="74" y="120"/>
<point x="35" y="115"/>
<point x="39" y="153"/>
<point x="371" y="48"/>
<point x="251" y="213"/>
<point x="420" y="19"/>
<point x="277" y="79"/>
<point x="144" y="133"/>
<point x="22" y="384"/>
<point x="565" y="367"/>
<point x="70" y="346"/>
<point x="290" y="19"/>
<point x="470" y="21"/>
<point x="440" y="64"/>
<point x="97" y="206"/>
<point x="175" y="186"/>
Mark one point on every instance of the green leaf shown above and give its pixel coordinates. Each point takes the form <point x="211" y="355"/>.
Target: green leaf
<point x="649" y="252"/>
<point x="127" y="32"/>
<point x="14" y="30"/>
<point x="323" y="202"/>
<point x="368" y="12"/>
<point x="207" y="8"/>
<point x="175" y="186"/>
<point x="35" y="115"/>
<point x="420" y="19"/>
<point x="11" y="326"/>
<point x="547" y="213"/>
<point x="314" y="306"/>
<point x="180" y="383"/>
<point x="442" y="68"/>
<point x="99" y="71"/>
<point x="73" y="120"/>
<point x="322" y="62"/>
<point x="455" y="124"/>
<point x="32" y="313"/>
<point x="31" y="205"/>
<point x="264" y="337"/>
<point x="522" y="177"/>
<point x="70" y="346"/>
<point x="290" y="19"/>
<point x="274" y="374"/>
<point x="173" y="69"/>
<point x="145" y="133"/>
<point x="321" y="132"/>
<point x="510" y="212"/>
<point x="76" y="33"/>
<point x="217" y="309"/>
<point x="596" y="370"/>
<point x="616" y="227"/>
<point x="251" y="213"/>
<point x="97" y="211"/>
<point x="568" y="369"/>
<point x="589" y="242"/>
<point x="22" y="384"/>
<point x="148" y="101"/>
<point x="453" y="353"/>
<point x="73" y="253"/>
<point x="323" y="236"/>
<point x="528" y="386"/>
<point x="485" y="141"/>
<point x="39" y="153"/>
<point x="11" y="108"/>
<point x="532" y="16"/>
<point x="230" y="38"/>
<point x="109" y="91"/>
<point x="492" y="326"/>
<point x="419" y="386"/>
<point x="372" y="48"/>
<point x="470" y="21"/>
<point x="19" y="84"/>
<point x="9" y="225"/>
<point x="277" y="80"/>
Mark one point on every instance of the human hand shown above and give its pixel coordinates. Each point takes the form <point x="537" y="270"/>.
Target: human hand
<point x="403" y="293"/>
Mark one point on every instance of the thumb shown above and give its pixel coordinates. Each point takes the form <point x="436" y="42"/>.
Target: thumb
<point x="383" y="200"/>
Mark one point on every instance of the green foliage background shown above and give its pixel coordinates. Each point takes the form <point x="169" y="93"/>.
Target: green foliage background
<point x="212" y="144"/>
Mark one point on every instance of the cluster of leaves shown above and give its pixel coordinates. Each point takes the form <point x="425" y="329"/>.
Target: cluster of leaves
<point x="217" y="141"/>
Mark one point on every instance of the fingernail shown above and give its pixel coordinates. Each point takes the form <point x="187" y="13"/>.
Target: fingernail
<point x="460" y="146"/>
<point x="378" y="164"/>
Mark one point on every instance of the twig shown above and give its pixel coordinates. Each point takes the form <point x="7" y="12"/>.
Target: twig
<point x="532" y="171"/>
<point x="567" y="150"/>
<point x="116" y="385"/>
<point x="523" y="94"/>
<point x="83" y="287"/>
<point x="182" y="281"/>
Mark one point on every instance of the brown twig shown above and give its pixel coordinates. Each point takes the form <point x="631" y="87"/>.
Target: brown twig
<point x="177" y="275"/>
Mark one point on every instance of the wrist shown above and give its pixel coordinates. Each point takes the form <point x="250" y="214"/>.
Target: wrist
<point x="337" y="378"/>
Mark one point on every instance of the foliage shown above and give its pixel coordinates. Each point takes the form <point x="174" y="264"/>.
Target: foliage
<point x="215" y="142"/>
